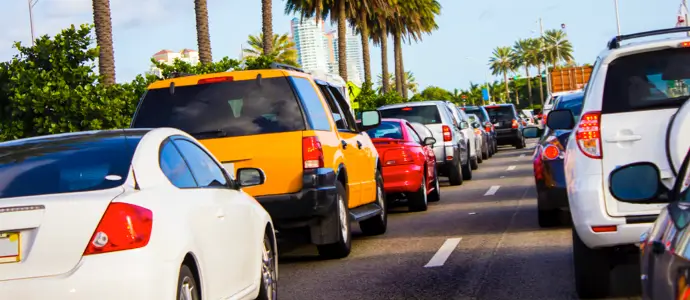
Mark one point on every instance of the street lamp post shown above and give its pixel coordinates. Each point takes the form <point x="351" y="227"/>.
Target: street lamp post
<point x="31" y="4"/>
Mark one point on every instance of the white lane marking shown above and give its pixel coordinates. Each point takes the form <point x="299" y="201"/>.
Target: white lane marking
<point x="492" y="190"/>
<point x="522" y="155"/>
<point x="443" y="253"/>
<point x="503" y="177"/>
<point x="511" y="168"/>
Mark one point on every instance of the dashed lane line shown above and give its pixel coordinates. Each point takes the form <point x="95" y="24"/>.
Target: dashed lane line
<point x="443" y="253"/>
<point x="510" y="168"/>
<point x="492" y="190"/>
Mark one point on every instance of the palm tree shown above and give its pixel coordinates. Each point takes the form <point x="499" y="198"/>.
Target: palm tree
<point x="284" y="51"/>
<point x="558" y="46"/>
<point x="378" y="32"/>
<point x="412" y="85"/>
<point x="203" y="36"/>
<point x="267" y="25"/>
<point x="104" y="39"/>
<point x="521" y="54"/>
<point x="501" y="63"/>
<point x="360" y="14"/>
<point x="411" y="82"/>
<point x="535" y="57"/>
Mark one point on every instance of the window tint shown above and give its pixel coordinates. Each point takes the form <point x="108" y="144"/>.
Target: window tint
<point x="206" y="172"/>
<point x="500" y="113"/>
<point x="230" y="108"/>
<point x="386" y="129"/>
<point x="174" y="167"/>
<point x="344" y="107"/>
<point x="650" y="80"/>
<point x="422" y="130"/>
<point x="572" y="103"/>
<point x="312" y="103"/>
<point x="425" y="114"/>
<point x="340" y="121"/>
<point x="68" y="164"/>
<point x="413" y="134"/>
<point x="477" y="112"/>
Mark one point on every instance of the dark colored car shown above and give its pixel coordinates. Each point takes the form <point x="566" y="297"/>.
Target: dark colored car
<point x="549" y="176"/>
<point x="480" y="111"/>
<point x="507" y="124"/>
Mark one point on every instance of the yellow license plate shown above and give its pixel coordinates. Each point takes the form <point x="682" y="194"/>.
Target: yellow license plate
<point x="10" y="247"/>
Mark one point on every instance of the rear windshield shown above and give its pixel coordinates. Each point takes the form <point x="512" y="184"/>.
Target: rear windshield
<point x="235" y="108"/>
<point x="425" y="114"/>
<point x="573" y="103"/>
<point x="477" y="112"/>
<point x="65" y="165"/>
<point x="650" y="80"/>
<point x="500" y="113"/>
<point x="386" y="129"/>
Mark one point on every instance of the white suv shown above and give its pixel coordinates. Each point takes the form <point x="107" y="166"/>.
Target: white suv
<point x="634" y="91"/>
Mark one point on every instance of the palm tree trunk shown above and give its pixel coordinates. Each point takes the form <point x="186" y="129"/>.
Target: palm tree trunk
<point x="529" y="85"/>
<point x="385" y="76"/>
<point x="505" y="83"/>
<point x="403" y="77"/>
<point x="342" y="40"/>
<point x="541" y="85"/>
<point x="203" y="36"/>
<point x="267" y="25"/>
<point x="397" y="47"/>
<point x="104" y="39"/>
<point x="366" y="59"/>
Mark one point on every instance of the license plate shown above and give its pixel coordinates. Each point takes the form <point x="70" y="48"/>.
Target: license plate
<point x="9" y="247"/>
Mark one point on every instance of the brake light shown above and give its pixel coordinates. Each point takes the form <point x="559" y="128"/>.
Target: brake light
<point x="684" y="45"/>
<point x="215" y="79"/>
<point x="588" y="135"/>
<point x="123" y="226"/>
<point x="488" y="126"/>
<point x="544" y="119"/>
<point x="491" y="106"/>
<point x="515" y="124"/>
<point x="538" y="168"/>
<point x="447" y="137"/>
<point x="407" y="108"/>
<point x="312" y="153"/>
<point x="398" y="157"/>
<point x="477" y="131"/>
<point x="551" y="152"/>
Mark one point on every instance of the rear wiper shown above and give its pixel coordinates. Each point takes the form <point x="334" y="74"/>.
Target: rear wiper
<point x="210" y="133"/>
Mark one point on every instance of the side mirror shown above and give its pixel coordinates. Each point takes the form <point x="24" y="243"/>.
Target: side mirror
<point x="476" y="125"/>
<point x="637" y="183"/>
<point x="429" y="141"/>
<point x="531" y="132"/>
<point x="250" y="177"/>
<point x="464" y="125"/>
<point x="560" y="119"/>
<point x="370" y="119"/>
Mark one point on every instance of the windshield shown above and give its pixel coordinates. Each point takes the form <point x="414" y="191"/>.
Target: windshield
<point x="425" y="114"/>
<point x="477" y="112"/>
<point x="500" y="113"/>
<point x="386" y="129"/>
<point x="65" y="165"/>
<point x="234" y="108"/>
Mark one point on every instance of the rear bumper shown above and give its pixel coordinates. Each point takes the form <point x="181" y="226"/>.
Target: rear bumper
<point x="552" y="187"/>
<point x="316" y="199"/>
<point x="402" y="179"/>
<point x="507" y="136"/>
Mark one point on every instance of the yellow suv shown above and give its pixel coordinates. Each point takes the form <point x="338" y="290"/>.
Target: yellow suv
<point x="321" y="168"/>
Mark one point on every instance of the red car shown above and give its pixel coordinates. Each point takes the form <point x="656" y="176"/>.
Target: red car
<point x="409" y="163"/>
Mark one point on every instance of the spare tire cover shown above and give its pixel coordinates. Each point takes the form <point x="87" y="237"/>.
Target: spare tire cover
<point x="678" y="139"/>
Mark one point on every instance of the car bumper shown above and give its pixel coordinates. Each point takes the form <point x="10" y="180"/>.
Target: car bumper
<point x="316" y="199"/>
<point x="507" y="136"/>
<point x="131" y="274"/>
<point x="402" y="179"/>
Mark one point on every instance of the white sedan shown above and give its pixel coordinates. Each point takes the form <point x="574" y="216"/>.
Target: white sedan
<point x="130" y="214"/>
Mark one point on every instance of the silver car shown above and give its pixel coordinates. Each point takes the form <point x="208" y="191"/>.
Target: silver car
<point x="451" y="147"/>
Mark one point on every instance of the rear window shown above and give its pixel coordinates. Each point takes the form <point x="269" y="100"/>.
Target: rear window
<point x="650" y="80"/>
<point x="477" y="112"/>
<point x="500" y="113"/>
<point x="425" y="114"/>
<point x="573" y="103"/>
<point x="235" y="108"/>
<point x="389" y="130"/>
<point x="76" y="164"/>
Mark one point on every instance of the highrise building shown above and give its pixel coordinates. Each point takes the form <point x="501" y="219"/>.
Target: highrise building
<point x="355" y="68"/>
<point x="310" y="43"/>
<point x="168" y="57"/>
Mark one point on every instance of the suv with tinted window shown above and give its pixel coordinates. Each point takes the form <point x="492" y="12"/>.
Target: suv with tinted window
<point x="480" y="111"/>
<point x="452" y="146"/>
<point x="507" y="124"/>
<point x="322" y="170"/>
<point x="633" y="94"/>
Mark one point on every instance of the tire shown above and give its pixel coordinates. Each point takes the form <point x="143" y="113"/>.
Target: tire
<point x="479" y="157"/>
<point x="187" y="287"/>
<point x="474" y="163"/>
<point x="377" y="225"/>
<point x="455" y="173"/>
<point x="435" y="195"/>
<point x="467" y="169"/>
<point x="485" y="151"/>
<point x="269" y="276"/>
<point x="343" y="246"/>
<point x="592" y="270"/>
<point x="418" y="201"/>
<point x="495" y="146"/>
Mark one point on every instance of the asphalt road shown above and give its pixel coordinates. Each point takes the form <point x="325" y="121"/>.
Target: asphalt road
<point x="481" y="241"/>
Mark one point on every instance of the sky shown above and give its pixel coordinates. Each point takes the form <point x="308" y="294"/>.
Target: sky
<point x="451" y="57"/>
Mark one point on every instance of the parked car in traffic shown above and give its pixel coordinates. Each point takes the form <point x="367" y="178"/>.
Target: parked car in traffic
<point x="549" y="176"/>
<point x="506" y="120"/>
<point x="468" y="131"/>
<point x="452" y="146"/>
<point x="409" y="163"/>
<point x="130" y="214"/>
<point x="323" y="171"/>
<point x="482" y="136"/>
<point x="480" y="112"/>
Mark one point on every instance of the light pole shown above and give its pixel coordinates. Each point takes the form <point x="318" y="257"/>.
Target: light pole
<point x="618" y="22"/>
<point x="31" y="4"/>
<point x="546" y="67"/>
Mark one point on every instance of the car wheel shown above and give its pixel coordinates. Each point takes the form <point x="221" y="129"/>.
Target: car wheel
<point x="485" y="151"/>
<point x="435" y="195"/>
<point x="455" y="173"/>
<point x="592" y="270"/>
<point x="467" y="169"/>
<point x="520" y="143"/>
<point x="474" y="163"/>
<point x="479" y="156"/>
<point x="418" y="201"/>
<point x="378" y="224"/>
<point x="269" y="276"/>
<point x="187" y="288"/>
<point x="342" y="247"/>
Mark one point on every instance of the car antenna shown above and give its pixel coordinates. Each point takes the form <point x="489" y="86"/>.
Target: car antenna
<point x="258" y="79"/>
<point x="172" y="88"/>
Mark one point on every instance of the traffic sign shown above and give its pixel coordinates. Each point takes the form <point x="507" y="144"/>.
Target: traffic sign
<point x="485" y="94"/>
<point x="353" y="91"/>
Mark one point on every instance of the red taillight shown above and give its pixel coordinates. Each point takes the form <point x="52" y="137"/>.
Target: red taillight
<point x="447" y="136"/>
<point x="398" y="157"/>
<point x="588" y="135"/>
<point x="215" y="79"/>
<point x="123" y="226"/>
<point x="312" y="153"/>
<point x="515" y="124"/>
<point x="538" y="172"/>
<point x="544" y="119"/>
<point x="684" y="45"/>
<point x="487" y="128"/>
<point x="477" y="131"/>
<point x="407" y="108"/>
<point x="551" y="152"/>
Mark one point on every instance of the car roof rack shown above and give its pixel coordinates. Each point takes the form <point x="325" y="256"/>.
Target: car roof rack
<point x="615" y="42"/>
<point x="285" y="67"/>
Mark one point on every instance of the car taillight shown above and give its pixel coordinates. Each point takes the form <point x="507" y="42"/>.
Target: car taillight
<point x="447" y="136"/>
<point x="515" y="124"/>
<point x="477" y="131"/>
<point x="488" y="126"/>
<point x="544" y="119"/>
<point x="551" y="152"/>
<point x="123" y="226"/>
<point x="588" y="135"/>
<point x="312" y="153"/>
<point x="538" y="172"/>
<point x="398" y="157"/>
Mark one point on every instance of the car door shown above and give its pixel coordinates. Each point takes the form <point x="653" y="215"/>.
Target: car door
<point x="423" y="152"/>
<point x="230" y="248"/>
